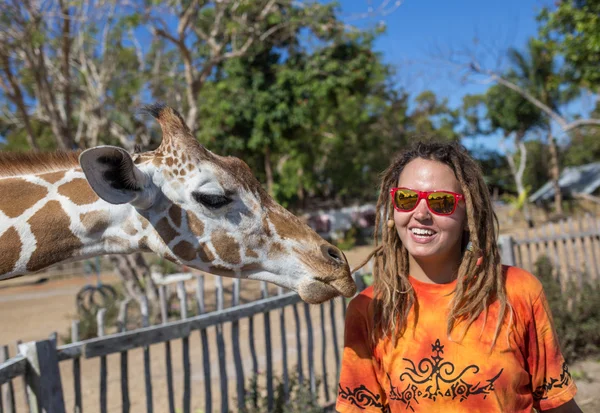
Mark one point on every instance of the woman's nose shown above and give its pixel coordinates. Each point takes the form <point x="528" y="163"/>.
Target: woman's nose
<point x="422" y="211"/>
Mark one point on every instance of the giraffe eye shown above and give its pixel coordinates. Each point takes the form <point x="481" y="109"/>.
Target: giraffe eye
<point x="210" y="200"/>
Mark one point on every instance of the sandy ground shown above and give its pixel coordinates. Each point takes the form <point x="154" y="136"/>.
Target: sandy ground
<point x="32" y="311"/>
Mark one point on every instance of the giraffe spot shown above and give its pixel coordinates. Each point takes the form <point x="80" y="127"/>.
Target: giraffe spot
<point x="205" y="254"/>
<point x="165" y="230"/>
<point x="276" y="249"/>
<point x="52" y="177"/>
<point x="10" y="245"/>
<point x="95" y="222"/>
<point x="185" y="250"/>
<point x="118" y="242"/>
<point x="227" y="247"/>
<point x="251" y="253"/>
<point x="78" y="191"/>
<point x="143" y="244"/>
<point x="184" y="157"/>
<point x="144" y="221"/>
<point x="171" y="258"/>
<point x="196" y="226"/>
<point x="182" y="172"/>
<point x="220" y="270"/>
<point x="190" y="167"/>
<point x="175" y="214"/>
<point x="170" y="161"/>
<point x="266" y="227"/>
<point x="252" y="267"/>
<point x="289" y="226"/>
<point x="55" y="242"/>
<point x="129" y="228"/>
<point x="26" y="192"/>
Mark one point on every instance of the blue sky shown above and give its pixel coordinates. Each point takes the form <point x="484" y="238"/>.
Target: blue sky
<point x="419" y="29"/>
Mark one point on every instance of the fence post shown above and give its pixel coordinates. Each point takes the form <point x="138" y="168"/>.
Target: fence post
<point x="44" y="386"/>
<point x="507" y="253"/>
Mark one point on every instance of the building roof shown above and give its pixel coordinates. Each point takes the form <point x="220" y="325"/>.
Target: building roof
<point x="583" y="179"/>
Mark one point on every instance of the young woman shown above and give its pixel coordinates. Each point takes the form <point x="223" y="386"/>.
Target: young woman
<point x="445" y="327"/>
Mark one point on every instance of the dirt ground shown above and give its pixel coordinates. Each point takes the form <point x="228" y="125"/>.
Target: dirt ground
<point x="32" y="310"/>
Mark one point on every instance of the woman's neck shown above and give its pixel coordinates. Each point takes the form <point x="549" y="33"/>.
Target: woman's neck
<point x="435" y="270"/>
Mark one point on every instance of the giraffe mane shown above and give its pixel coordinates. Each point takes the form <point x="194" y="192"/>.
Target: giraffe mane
<point x="16" y="163"/>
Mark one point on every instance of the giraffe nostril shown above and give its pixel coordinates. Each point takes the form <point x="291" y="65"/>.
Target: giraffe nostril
<point x="333" y="253"/>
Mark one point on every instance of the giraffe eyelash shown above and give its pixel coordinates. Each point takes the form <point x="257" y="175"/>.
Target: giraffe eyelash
<point x="210" y="200"/>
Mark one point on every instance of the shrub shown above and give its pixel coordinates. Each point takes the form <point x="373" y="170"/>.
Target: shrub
<point x="576" y="311"/>
<point x="300" y="400"/>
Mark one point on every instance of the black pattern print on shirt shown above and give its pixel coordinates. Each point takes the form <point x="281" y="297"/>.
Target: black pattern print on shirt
<point x="565" y="379"/>
<point x="433" y="378"/>
<point x="362" y="397"/>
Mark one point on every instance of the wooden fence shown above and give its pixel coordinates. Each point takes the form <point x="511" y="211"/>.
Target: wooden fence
<point x="573" y="247"/>
<point x="303" y="346"/>
<point x="39" y="368"/>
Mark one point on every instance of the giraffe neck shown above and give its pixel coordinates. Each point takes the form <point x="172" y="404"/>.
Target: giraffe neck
<point x="55" y="217"/>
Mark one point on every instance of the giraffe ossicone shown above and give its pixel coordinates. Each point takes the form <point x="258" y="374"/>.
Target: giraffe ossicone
<point x="180" y="201"/>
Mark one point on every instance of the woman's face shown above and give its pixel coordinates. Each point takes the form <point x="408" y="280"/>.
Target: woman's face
<point x="425" y="235"/>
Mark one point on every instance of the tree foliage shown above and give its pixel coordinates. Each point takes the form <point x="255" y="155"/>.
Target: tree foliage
<point x="573" y="29"/>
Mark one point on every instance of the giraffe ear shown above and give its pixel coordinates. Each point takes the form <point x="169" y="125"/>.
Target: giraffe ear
<point x="113" y="176"/>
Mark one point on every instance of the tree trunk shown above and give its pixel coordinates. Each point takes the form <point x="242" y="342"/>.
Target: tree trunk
<point x="555" y="173"/>
<point x="269" y="170"/>
<point x="518" y="175"/>
<point x="135" y="275"/>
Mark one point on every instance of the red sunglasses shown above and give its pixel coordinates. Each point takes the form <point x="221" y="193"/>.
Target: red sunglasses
<point x="438" y="202"/>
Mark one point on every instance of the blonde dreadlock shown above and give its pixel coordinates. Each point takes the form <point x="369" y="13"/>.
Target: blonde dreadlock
<point x="477" y="286"/>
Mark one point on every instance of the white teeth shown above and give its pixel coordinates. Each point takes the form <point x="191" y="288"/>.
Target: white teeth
<point x="422" y="232"/>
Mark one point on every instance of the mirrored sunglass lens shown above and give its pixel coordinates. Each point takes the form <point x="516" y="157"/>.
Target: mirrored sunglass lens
<point x="441" y="202"/>
<point x="405" y="199"/>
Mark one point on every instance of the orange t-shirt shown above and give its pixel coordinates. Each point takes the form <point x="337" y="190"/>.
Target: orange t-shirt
<point x="428" y="372"/>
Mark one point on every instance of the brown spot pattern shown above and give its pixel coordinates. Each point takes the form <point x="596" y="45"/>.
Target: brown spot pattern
<point x="266" y="227"/>
<point x="185" y="251"/>
<point x="205" y="254"/>
<point x="78" y="191"/>
<point x="171" y="258"/>
<point x="251" y="253"/>
<point x="196" y="226"/>
<point x="10" y="245"/>
<point x="95" y="221"/>
<point x="26" y="192"/>
<point x="288" y="225"/>
<point x="165" y="230"/>
<point x="52" y="177"/>
<point x="276" y="249"/>
<point x="129" y="228"/>
<point x="220" y="270"/>
<point x="227" y="247"/>
<point x="55" y="241"/>
<point x="143" y="244"/>
<point x="119" y="242"/>
<point x="175" y="214"/>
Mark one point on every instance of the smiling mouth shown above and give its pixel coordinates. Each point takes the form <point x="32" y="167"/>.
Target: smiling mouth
<point x="422" y="233"/>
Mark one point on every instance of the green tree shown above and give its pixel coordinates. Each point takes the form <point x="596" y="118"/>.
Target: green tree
<point x="537" y="73"/>
<point x="573" y="29"/>
<point x="503" y="110"/>
<point x="298" y="119"/>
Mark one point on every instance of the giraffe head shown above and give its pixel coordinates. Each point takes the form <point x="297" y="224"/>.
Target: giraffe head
<point x="209" y="212"/>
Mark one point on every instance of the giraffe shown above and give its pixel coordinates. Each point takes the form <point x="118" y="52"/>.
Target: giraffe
<point x="180" y="201"/>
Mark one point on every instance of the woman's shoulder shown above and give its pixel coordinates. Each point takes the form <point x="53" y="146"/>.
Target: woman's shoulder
<point x="521" y="284"/>
<point x="360" y="303"/>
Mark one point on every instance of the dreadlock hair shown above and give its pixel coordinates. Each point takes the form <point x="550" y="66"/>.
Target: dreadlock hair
<point x="477" y="286"/>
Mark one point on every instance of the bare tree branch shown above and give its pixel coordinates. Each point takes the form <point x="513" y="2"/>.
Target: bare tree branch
<point x="564" y="124"/>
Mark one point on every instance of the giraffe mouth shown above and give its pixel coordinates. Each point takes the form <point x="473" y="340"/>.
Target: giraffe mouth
<point x="316" y="292"/>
